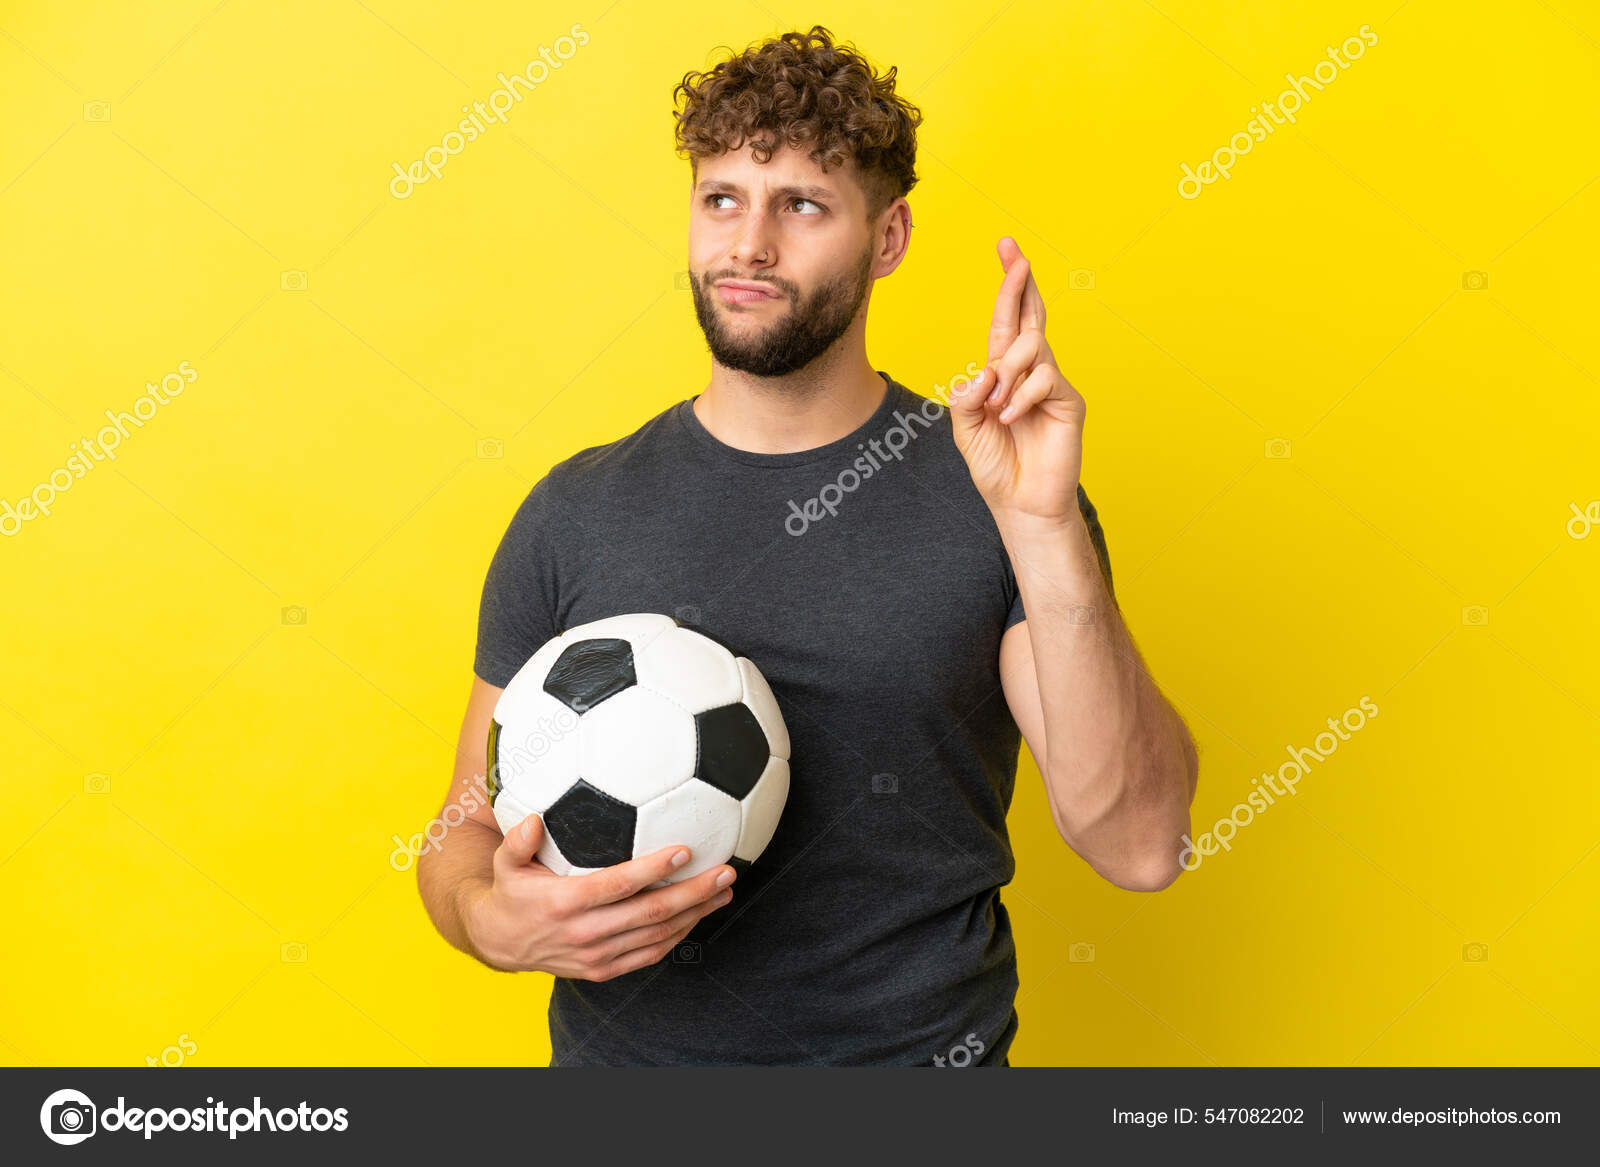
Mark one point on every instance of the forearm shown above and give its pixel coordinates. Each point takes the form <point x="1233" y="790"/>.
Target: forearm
<point x="452" y="875"/>
<point x="1120" y="766"/>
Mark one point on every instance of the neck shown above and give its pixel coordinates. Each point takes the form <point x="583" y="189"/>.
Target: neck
<point x="810" y="407"/>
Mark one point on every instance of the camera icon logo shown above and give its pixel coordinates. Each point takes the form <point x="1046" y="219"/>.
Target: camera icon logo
<point x="681" y="281"/>
<point x="68" y="1117"/>
<point x="1277" y="447"/>
<point x="1081" y="614"/>
<point x="1475" y="953"/>
<point x="687" y="952"/>
<point x="294" y="614"/>
<point x="292" y="953"/>
<point x="97" y="111"/>
<point x="885" y="784"/>
<point x="1475" y="615"/>
<point x="97" y="783"/>
<point x="1081" y="953"/>
<point x="1081" y="279"/>
<point x="491" y="448"/>
<point x="1474" y="281"/>
<point x="687" y="614"/>
<point x="292" y="281"/>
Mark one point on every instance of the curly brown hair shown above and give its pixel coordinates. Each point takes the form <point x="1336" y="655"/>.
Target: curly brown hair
<point x="801" y="89"/>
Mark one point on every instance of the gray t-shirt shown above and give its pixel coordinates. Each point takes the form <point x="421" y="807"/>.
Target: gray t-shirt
<point x="867" y="581"/>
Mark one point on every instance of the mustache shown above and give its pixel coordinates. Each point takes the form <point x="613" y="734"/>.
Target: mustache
<point x="775" y="285"/>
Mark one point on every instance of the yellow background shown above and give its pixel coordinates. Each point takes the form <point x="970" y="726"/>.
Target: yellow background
<point x="253" y="772"/>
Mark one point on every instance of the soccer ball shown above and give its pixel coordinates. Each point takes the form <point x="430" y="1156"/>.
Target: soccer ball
<point x="632" y="733"/>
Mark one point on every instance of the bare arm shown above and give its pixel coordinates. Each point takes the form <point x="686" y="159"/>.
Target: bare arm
<point x="1118" y="762"/>
<point x="462" y="867"/>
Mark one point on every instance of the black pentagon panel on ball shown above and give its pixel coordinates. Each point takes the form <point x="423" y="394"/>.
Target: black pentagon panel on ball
<point x="588" y="672"/>
<point x="733" y="750"/>
<point x="591" y="828"/>
<point x="493" y="752"/>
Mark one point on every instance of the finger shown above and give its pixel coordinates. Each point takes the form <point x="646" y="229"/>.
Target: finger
<point x="1032" y="304"/>
<point x="1006" y="322"/>
<point x="621" y="880"/>
<point x="670" y="930"/>
<point x="1018" y="361"/>
<point x="966" y="405"/>
<point x="517" y="849"/>
<point x="657" y="904"/>
<point x="1032" y="301"/>
<point x="635" y="960"/>
<point x="1035" y="389"/>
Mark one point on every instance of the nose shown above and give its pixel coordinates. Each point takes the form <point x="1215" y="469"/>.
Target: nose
<point x="754" y="246"/>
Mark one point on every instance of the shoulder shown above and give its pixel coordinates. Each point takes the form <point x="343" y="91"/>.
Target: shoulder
<point x="921" y="436"/>
<point x="601" y="471"/>
<point x="919" y="430"/>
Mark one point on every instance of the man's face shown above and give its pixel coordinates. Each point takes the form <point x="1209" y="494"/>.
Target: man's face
<point x="818" y="249"/>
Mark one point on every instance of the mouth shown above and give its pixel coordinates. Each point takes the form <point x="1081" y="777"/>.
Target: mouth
<point x="744" y="292"/>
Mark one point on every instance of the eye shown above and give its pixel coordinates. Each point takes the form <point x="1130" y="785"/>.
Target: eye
<point x="710" y="201"/>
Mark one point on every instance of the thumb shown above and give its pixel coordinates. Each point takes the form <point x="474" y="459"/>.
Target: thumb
<point x="522" y="841"/>
<point x="966" y="406"/>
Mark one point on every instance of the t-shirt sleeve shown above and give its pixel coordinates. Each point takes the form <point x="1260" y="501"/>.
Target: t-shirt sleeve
<point x="517" y="611"/>
<point x="1098" y="537"/>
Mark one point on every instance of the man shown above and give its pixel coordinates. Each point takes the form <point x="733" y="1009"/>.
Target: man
<point x="871" y="552"/>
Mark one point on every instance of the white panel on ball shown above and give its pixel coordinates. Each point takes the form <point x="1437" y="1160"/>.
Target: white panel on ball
<point x="695" y="814"/>
<point x="508" y="812"/>
<point x="636" y="745"/>
<point x="692" y="670"/>
<point x="761" y="809"/>
<point x="537" y="747"/>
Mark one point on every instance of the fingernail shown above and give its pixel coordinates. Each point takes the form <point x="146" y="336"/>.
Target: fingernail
<point x="680" y="858"/>
<point x="725" y="878"/>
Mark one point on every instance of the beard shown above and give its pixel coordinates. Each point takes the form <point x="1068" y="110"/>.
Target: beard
<point x="795" y="339"/>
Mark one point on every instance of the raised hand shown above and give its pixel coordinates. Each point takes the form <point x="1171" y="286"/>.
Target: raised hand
<point x="1019" y="424"/>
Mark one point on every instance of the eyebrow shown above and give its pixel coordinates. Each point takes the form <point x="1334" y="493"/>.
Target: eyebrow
<point x="721" y="186"/>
